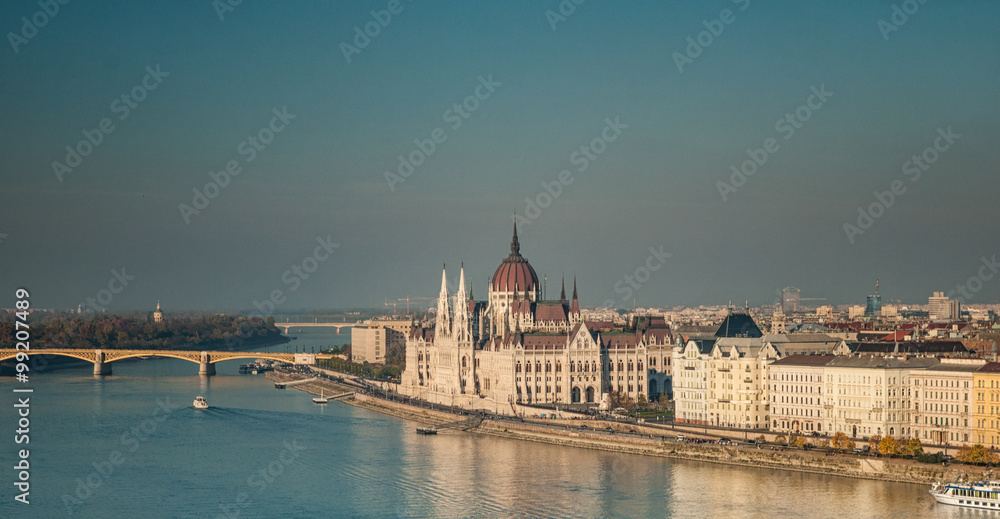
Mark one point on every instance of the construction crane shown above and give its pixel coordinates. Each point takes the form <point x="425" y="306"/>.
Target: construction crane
<point x="407" y="299"/>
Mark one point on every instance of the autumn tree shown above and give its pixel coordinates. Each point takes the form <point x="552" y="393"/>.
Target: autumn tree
<point x="915" y="447"/>
<point x="842" y="442"/>
<point x="873" y="442"/>
<point x="781" y="438"/>
<point x="888" y="446"/>
<point x="977" y="455"/>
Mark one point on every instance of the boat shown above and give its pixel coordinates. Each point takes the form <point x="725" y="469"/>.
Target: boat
<point x="320" y="399"/>
<point x="427" y="430"/>
<point x="983" y="494"/>
<point x="200" y="402"/>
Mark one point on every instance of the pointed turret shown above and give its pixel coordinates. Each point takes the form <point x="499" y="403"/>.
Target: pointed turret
<point x="461" y="309"/>
<point x="575" y="306"/>
<point x="562" y="293"/>
<point x="515" y="246"/>
<point x="443" y="321"/>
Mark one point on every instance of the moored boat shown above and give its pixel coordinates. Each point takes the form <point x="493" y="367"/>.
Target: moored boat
<point x="320" y="399"/>
<point x="983" y="494"/>
<point x="200" y="402"/>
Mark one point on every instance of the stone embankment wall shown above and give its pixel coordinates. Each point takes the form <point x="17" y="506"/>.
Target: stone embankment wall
<point x="655" y="441"/>
<point x="906" y="471"/>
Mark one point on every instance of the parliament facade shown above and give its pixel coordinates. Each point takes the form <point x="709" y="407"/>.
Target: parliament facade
<point x="516" y="348"/>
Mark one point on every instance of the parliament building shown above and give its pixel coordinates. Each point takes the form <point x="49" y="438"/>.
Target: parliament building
<point x="516" y="348"/>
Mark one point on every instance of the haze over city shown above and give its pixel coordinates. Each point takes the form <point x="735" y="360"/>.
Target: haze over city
<point x="829" y="105"/>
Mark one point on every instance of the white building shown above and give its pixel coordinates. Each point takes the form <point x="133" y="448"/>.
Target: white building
<point x="942" y="401"/>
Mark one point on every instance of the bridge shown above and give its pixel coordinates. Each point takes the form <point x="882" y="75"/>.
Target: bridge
<point x="102" y="359"/>
<point x="338" y="326"/>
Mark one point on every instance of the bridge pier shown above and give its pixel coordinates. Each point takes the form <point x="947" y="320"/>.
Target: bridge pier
<point x="206" y="367"/>
<point x="101" y="367"/>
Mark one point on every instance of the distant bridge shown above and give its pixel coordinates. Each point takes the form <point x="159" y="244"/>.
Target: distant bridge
<point x="338" y="326"/>
<point x="102" y="359"/>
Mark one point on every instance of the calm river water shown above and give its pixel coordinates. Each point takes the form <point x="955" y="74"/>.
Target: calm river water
<point x="131" y="446"/>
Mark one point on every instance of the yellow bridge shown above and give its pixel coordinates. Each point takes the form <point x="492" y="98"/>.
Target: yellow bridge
<point x="205" y="359"/>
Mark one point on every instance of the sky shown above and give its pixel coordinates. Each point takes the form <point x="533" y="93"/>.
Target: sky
<point x="247" y="157"/>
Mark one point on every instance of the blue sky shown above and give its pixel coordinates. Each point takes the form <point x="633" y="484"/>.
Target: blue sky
<point x="656" y="185"/>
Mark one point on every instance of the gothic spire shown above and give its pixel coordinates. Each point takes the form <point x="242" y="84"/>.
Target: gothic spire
<point x="562" y="293"/>
<point x="515" y="246"/>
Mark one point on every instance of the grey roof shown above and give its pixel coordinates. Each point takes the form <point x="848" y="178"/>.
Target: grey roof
<point x="881" y="362"/>
<point x="967" y="368"/>
<point x="738" y="324"/>
<point x="908" y="347"/>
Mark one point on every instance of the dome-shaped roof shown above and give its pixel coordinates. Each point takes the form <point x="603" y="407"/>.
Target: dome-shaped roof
<point x="515" y="271"/>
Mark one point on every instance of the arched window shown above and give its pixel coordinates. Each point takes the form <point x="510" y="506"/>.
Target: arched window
<point x="538" y="366"/>
<point x="527" y="367"/>
<point x="640" y="364"/>
<point x="558" y="366"/>
<point x="572" y="366"/>
<point x="548" y="367"/>
<point x="518" y="368"/>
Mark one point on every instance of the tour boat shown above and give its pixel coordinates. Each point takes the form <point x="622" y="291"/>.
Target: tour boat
<point x="977" y="494"/>
<point x="200" y="402"/>
<point x="320" y="399"/>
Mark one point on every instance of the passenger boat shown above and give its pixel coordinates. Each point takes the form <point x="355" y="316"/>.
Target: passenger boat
<point x="983" y="494"/>
<point x="320" y="399"/>
<point x="427" y="430"/>
<point x="200" y="402"/>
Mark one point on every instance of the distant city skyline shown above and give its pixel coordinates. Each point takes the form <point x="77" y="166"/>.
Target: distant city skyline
<point x="333" y="156"/>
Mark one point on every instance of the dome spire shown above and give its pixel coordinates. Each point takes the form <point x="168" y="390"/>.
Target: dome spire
<point x="515" y="246"/>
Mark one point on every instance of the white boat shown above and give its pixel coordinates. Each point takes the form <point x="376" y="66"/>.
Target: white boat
<point x="200" y="402"/>
<point x="977" y="494"/>
<point x="320" y="399"/>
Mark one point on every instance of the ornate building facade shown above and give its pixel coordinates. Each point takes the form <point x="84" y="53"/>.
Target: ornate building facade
<point x="516" y="348"/>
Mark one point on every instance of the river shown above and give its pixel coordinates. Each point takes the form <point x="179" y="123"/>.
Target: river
<point x="130" y="445"/>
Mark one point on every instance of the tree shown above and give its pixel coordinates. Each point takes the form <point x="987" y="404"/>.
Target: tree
<point x="761" y="439"/>
<point x="842" y="442"/>
<point x="915" y="447"/>
<point x="641" y="402"/>
<point x="781" y="438"/>
<point x="873" y="442"/>
<point x="888" y="446"/>
<point x="977" y="455"/>
<point x="796" y="440"/>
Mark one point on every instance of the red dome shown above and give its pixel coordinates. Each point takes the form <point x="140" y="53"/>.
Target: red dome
<point x="515" y="271"/>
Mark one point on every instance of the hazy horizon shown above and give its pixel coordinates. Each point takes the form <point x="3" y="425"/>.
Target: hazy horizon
<point x="826" y="105"/>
